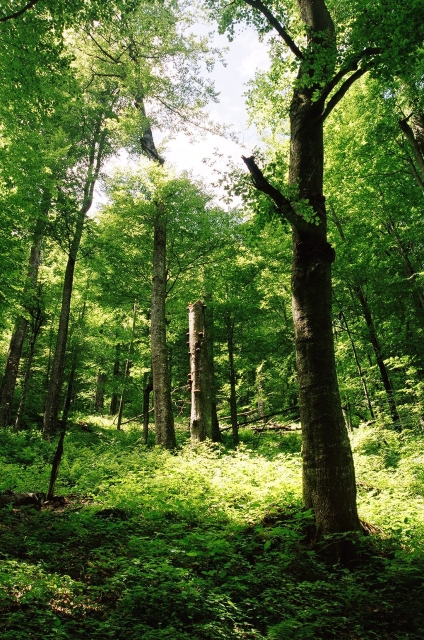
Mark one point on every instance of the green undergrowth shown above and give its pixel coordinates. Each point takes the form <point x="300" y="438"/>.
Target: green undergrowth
<point x="205" y="544"/>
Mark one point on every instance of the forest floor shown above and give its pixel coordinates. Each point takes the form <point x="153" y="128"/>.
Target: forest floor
<point x="204" y="545"/>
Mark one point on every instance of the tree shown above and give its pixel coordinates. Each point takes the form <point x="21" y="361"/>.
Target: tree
<point x="324" y="75"/>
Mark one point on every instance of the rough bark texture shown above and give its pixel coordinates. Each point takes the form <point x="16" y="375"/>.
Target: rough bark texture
<point x="328" y="474"/>
<point x="164" y="419"/>
<point x="8" y="385"/>
<point x="201" y="400"/>
<point x="329" y="486"/>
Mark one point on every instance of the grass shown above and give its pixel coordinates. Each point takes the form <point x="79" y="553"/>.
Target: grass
<point x="206" y="544"/>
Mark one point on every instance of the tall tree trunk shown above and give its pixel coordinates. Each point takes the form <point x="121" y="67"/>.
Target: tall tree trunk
<point x="116" y="373"/>
<point x="164" y="419"/>
<point x="201" y="400"/>
<point x="99" y="402"/>
<point x="126" y="370"/>
<point x="56" y="376"/>
<point x="415" y="137"/>
<point x="214" y="434"/>
<point x="70" y="388"/>
<point x="358" y="365"/>
<point x="36" y="324"/>
<point x="329" y="486"/>
<point x="232" y="378"/>
<point x="147" y="390"/>
<point x="385" y="377"/>
<point x="8" y="385"/>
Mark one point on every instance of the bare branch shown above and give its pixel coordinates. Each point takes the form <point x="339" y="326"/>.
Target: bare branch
<point x="284" y="206"/>
<point x="20" y="12"/>
<point x="257" y="4"/>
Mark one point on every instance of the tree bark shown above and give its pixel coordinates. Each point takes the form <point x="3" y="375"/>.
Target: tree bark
<point x="164" y="419"/>
<point x="8" y="385"/>
<point x="201" y="400"/>
<point x="329" y="486"/>
<point x="56" y="375"/>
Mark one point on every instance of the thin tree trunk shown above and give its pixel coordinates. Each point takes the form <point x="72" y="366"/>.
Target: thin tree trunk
<point x="37" y="323"/>
<point x="8" y="385"/>
<point x="70" y="388"/>
<point x="214" y="434"/>
<point x="385" y="377"/>
<point x="99" y="403"/>
<point x="116" y="373"/>
<point x="201" y="401"/>
<point x="232" y="380"/>
<point x="358" y="365"/>
<point x="164" y="419"/>
<point x="56" y="375"/>
<point x="126" y="370"/>
<point x="148" y="388"/>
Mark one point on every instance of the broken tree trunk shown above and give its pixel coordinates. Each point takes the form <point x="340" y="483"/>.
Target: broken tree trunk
<point x="201" y="399"/>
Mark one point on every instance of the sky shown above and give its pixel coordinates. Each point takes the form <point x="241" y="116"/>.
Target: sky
<point x="244" y="57"/>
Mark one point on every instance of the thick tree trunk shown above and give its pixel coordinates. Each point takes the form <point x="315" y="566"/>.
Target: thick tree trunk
<point x="385" y="377"/>
<point x="56" y="375"/>
<point x="8" y="385"/>
<point x="329" y="486"/>
<point x="201" y="400"/>
<point x="116" y="373"/>
<point x="164" y="419"/>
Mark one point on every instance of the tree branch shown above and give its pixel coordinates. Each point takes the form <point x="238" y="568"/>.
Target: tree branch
<point x="340" y="93"/>
<point x="351" y="66"/>
<point x="284" y="206"/>
<point x="20" y="12"/>
<point x="257" y="4"/>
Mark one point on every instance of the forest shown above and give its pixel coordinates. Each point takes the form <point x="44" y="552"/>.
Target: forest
<point x="212" y="390"/>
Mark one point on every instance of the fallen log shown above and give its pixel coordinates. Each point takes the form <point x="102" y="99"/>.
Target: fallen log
<point x="22" y="499"/>
<point x="277" y="427"/>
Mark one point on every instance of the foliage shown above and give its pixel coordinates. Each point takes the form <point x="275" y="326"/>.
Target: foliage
<point x="209" y="543"/>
